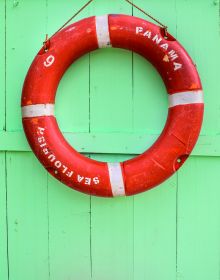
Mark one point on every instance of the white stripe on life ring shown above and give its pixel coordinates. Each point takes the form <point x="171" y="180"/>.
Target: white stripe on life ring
<point x="186" y="97"/>
<point x="37" y="110"/>
<point x="116" y="179"/>
<point x="102" y="31"/>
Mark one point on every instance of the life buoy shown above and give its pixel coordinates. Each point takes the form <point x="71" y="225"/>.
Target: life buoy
<point x="170" y="150"/>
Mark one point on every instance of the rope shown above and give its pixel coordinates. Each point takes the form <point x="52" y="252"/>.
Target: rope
<point x="46" y="43"/>
<point x="147" y="14"/>
<point x="76" y="14"/>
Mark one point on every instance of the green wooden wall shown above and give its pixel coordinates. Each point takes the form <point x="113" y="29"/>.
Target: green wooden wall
<point x="111" y="105"/>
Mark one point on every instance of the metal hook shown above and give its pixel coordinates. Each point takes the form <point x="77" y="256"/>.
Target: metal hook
<point x="46" y="44"/>
<point x="165" y="32"/>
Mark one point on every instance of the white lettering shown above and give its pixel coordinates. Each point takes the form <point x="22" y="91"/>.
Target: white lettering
<point x="41" y="139"/>
<point x="139" y="29"/>
<point x="43" y="145"/>
<point x="177" y="66"/>
<point x="64" y="169"/>
<point x="173" y="55"/>
<point x="58" y="164"/>
<point x="69" y="174"/>
<point x="49" y="61"/>
<point x="52" y="157"/>
<point x="80" y="178"/>
<point x="96" y="180"/>
<point x="45" y="151"/>
<point x="157" y="39"/>
<point x="147" y="34"/>
<point x="41" y="130"/>
<point x="87" y="181"/>
<point x="164" y="46"/>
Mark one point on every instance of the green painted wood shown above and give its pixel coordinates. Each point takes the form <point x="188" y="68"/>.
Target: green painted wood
<point x="202" y="41"/>
<point x="111" y="108"/>
<point x="27" y="211"/>
<point x="110" y="143"/>
<point x="3" y="220"/>
<point x="25" y="32"/>
<point x="112" y="105"/>
<point x="198" y="223"/>
<point x="112" y="237"/>
<point x="2" y="63"/>
<point x="69" y="232"/>
<point x="111" y="81"/>
<point x="155" y="211"/>
<point x="150" y="97"/>
<point x="73" y="95"/>
<point x="155" y="233"/>
<point x="69" y="211"/>
<point x="55" y="19"/>
<point x="73" y="91"/>
<point x="110" y="89"/>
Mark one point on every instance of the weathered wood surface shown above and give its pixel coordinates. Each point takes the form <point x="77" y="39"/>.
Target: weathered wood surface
<point x="111" y="105"/>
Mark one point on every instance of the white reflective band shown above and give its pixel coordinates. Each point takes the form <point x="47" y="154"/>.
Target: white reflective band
<point x="116" y="179"/>
<point x="102" y="31"/>
<point x="38" y="110"/>
<point x="187" y="97"/>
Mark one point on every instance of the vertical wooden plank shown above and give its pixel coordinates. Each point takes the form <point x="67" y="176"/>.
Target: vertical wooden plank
<point x="111" y="91"/>
<point x="69" y="233"/>
<point x="155" y="210"/>
<point x="150" y="97"/>
<point x="3" y="201"/>
<point x="111" y="111"/>
<point x="144" y="224"/>
<point x="199" y="219"/>
<point x="111" y="81"/>
<point x="26" y="28"/>
<point x="155" y="233"/>
<point x="55" y="19"/>
<point x="198" y="205"/>
<point x="112" y="234"/>
<point x="72" y="102"/>
<point x="99" y="7"/>
<point x="2" y="65"/>
<point x="202" y="41"/>
<point x="164" y="12"/>
<point x="3" y="221"/>
<point x="69" y="211"/>
<point x="27" y="217"/>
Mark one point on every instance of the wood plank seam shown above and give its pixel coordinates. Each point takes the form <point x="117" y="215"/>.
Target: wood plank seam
<point x="7" y="227"/>
<point x="110" y="143"/>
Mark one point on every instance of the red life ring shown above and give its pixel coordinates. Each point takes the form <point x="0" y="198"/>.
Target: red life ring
<point x="170" y="150"/>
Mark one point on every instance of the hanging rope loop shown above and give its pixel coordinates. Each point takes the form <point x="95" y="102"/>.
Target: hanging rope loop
<point x="76" y="14"/>
<point x="46" y="43"/>
<point x="147" y="14"/>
